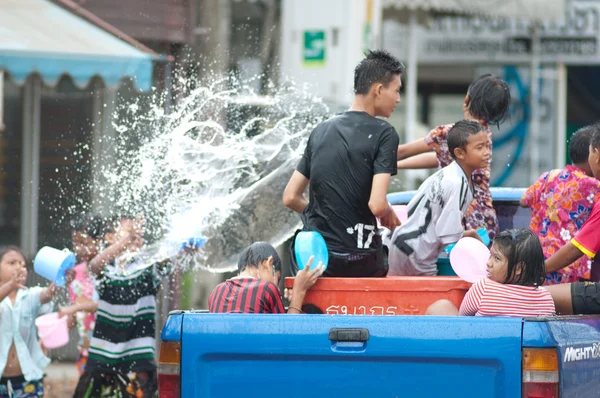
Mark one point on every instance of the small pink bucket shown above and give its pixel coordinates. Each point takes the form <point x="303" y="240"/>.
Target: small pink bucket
<point x="53" y="330"/>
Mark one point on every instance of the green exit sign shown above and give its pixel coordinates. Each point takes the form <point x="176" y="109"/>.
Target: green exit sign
<point x="314" y="47"/>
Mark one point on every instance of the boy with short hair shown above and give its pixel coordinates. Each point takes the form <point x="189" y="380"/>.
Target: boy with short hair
<point x="121" y="358"/>
<point x="436" y="212"/>
<point x="348" y="162"/>
<point x="561" y="200"/>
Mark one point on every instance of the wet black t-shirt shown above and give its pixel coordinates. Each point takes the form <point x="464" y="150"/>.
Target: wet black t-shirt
<point x="341" y="158"/>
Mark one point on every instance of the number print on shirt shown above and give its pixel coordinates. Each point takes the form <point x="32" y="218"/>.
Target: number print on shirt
<point x="360" y="230"/>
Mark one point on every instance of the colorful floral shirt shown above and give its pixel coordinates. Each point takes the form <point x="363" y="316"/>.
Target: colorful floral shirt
<point x="561" y="201"/>
<point x="482" y="212"/>
<point x="81" y="291"/>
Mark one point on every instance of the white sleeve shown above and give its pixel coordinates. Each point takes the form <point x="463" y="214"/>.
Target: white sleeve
<point x="449" y="226"/>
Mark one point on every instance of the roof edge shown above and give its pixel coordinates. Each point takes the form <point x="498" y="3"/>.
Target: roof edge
<point x="99" y="22"/>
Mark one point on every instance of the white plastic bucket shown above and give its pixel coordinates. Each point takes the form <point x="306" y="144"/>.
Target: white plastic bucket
<point x="52" y="263"/>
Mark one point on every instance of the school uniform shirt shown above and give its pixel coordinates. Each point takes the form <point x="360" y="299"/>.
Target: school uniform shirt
<point x="341" y="157"/>
<point x="435" y="216"/>
<point x="246" y="295"/>
<point x="490" y="298"/>
<point x="17" y="324"/>
<point x="123" y="339"/>
<point x="588" y="239"/>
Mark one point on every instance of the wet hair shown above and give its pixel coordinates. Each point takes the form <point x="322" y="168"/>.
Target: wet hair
<point x="6" y="249"/>
<point x="579" y="143"/>
<point x="595" y="140"/>
<point x="89" y="224"/>
<point x="521" y="246"/>
<point x="378" y="66"/>
<point x="256" y="253"/>
<point x="459" y="134"/>
<point x="489" y="99"/>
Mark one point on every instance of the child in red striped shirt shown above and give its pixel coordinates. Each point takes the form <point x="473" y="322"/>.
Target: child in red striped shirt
<point x="515" y="273"/>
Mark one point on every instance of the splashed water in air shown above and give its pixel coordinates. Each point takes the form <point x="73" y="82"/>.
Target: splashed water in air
<point x="215" y="166"/>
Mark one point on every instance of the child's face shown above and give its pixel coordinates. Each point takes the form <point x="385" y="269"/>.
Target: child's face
<point x="477" y="151"/>
<point x="84" y="246"/>
<point x="497" y="265"/>
<point x="594" y="161"/>
<point x="12" y="263"/>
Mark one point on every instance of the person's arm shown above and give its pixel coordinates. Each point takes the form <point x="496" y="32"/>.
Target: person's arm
<point x="88" y="306"/>
<point x="293" y="195"/>
<point x="472" y="301"/>
<point x="15" y="283"/>
<point x="412" y="149"/>
<point x="422" y="161"/>
<point x="472" y="233"/>
<point x="97" y="264"/>
<point x="566" y="255"/>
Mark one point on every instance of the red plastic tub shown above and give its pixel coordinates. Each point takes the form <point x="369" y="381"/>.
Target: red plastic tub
<point x="398" y="295"/>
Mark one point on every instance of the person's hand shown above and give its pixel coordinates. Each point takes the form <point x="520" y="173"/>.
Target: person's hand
<point x="18" y="279"/>
<point x="390" y="220"/>
<point x="69" y="276"/>
<point x="472" y="233"/>
<point x="306" y="278"/>
<point x="70" y="312"/>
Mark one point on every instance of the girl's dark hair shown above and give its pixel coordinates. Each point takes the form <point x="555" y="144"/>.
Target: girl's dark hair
<point x="378" y="66"/>
<point x="521" y="246"/>
<point x="6" y="249"/>
<point x="489" y="99"/>
<point x="256" y="253"/>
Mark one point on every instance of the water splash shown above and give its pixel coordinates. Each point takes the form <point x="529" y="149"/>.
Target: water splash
<point x="216" y="165"/>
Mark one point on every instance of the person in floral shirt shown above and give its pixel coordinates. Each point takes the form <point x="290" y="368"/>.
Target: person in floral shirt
<point x="87" y="237"/>
<point x="487" y="102"/>
<point x="560" y="202"/>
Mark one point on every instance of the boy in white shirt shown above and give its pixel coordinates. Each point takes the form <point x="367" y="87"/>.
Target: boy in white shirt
<point x="435" y="214"/>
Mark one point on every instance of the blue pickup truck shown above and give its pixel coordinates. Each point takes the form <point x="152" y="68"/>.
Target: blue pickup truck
<point x="224" y="355"/>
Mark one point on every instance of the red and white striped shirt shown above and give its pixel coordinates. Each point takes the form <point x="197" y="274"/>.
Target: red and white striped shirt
<point x="489" y="298"/>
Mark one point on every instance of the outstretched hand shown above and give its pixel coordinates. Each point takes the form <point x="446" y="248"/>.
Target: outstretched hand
<point x="18" y="279"/>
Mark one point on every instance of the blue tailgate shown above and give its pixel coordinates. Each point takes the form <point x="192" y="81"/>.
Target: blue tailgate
<point x="578" y="341"/>
<point x="226" y="355"/>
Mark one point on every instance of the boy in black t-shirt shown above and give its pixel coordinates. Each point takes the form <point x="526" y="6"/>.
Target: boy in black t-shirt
<point x="348" y="162"/>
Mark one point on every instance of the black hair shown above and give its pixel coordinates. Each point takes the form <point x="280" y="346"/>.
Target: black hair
<point x="595" y="140"/>
<point x="256" y="253"/>
<point x="89" y="224"/>
<point x="521" y="246"/>
<point x="579" y="143"/>
<point x="489" y="99"/>
<point x="6" y="249"/>
<point x="459" y="134"/>
<point x="378" y="66"/>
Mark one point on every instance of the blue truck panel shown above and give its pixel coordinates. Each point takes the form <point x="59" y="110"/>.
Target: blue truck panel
<point x="578" y="341"/>
<point x="294" y="354"/>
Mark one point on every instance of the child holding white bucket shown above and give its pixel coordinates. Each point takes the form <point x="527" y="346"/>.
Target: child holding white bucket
<point x="515" y="273"/>
<point x="21" y="357"/>
<point x="121" y="359"/>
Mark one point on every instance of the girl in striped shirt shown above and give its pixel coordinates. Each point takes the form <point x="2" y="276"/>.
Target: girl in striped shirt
<point x="515" y="273"/>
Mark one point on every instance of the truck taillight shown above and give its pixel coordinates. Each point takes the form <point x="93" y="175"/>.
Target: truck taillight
<point x="540" y="373"/>
<point x="169" y="365"/>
